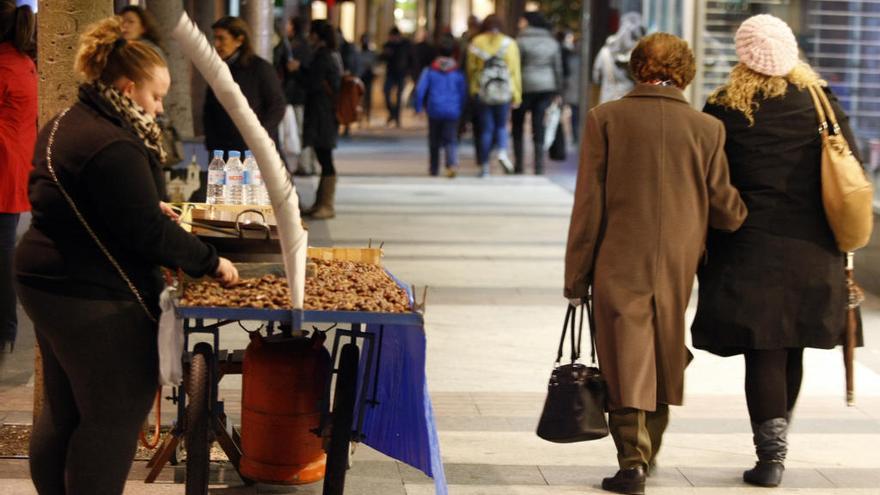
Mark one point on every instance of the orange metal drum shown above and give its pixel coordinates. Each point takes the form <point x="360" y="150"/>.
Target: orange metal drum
<point x="283" y="382"/>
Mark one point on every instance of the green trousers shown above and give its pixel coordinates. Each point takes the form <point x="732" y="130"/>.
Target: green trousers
<point x="637" y="434"/>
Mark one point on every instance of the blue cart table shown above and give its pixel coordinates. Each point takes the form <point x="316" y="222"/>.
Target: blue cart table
<point x="389" y="407"/>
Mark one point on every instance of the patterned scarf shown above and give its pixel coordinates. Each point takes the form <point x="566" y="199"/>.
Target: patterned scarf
<point x="144" y="125"/>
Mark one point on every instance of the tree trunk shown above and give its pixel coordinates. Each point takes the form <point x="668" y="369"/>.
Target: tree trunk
<point x="59" y="24"/>
<point x="259" y="16"/>
<point x="178" y="103"/>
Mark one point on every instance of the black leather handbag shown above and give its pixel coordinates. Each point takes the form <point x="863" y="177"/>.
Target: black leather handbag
<point x="575" y="407"/>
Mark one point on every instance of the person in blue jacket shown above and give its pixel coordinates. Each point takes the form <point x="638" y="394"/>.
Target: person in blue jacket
<point x="442" y="90"/>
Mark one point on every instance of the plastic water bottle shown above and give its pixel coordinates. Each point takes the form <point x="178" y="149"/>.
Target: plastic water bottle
<point x="234" y="179"/>
<point x="216" y="179"/>
<point x="253" y="180"/>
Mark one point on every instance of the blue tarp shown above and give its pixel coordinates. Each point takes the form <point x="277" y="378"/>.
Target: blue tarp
<point x="402" y="424"/>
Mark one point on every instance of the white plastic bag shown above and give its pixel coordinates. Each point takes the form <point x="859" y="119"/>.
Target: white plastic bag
<point x="288" y="133"/>
<point x="170" y="341"/>
<point x="551" y="122"/>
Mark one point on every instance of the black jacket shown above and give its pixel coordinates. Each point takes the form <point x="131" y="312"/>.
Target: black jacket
<point x="112" y="178"/>
<point x="398" y="58"/>
<point x="321" y="80"/>
<point x="778" y="282"/>
<point x="260" y="85"/>
<point x="301" y="51"/>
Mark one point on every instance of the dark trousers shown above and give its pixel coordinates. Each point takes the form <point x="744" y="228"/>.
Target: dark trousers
<point x="368" y="94"/>
<point x="493" y="128"/>
<point x="536" y="104"/>
<point x="773" y="382"/>
<point x="100" y="371"/>
<point x="638" y="434"/>
<point x="8" y="318"/>
<point x="575" y="123"/>
<point x="325" y="159"/>
<point x="443" y="133"/>
<point x="394" y="86"/>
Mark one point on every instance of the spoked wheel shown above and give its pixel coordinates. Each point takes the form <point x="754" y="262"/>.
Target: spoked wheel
<point x="197" y="420"/>
<point x="343" y="416"/>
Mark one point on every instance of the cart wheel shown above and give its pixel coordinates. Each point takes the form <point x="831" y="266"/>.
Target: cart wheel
<point x="197" y="413"/>
<point x="343" y="416"/>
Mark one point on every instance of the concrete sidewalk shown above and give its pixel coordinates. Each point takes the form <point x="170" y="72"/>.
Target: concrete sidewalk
<point x="492" y="253"/>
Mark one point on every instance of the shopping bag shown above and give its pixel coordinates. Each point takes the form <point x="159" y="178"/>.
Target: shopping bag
<point x="288" y="133"/>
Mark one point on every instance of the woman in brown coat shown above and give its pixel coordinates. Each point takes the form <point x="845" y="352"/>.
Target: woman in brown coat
<point x="653" y="177"/>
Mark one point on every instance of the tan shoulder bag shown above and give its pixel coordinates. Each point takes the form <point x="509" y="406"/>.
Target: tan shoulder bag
<point x="847" y="193"/>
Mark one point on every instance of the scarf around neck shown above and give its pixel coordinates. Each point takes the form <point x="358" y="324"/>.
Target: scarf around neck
<point x="143" y="124"/>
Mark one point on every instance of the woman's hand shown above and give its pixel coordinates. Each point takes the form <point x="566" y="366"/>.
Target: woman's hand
<point x="226" y="272"/>
<point x="293" y="65"/>
<point x="168" y="211"/>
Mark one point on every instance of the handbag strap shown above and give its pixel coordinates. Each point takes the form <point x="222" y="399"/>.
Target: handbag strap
<point x="85" y="224"/>
<point x="569" y="319"/>
<point x="824" y="111"/>
<point x="588" y="308"/>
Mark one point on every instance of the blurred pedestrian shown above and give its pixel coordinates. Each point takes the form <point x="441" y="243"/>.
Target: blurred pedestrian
<point x="256" y="78"/>
<point x="471" y="114"/>
<point x="611" y="67"/>
<point x="367" y="63"/>
<point x="397" y="55"/>
<point x="637" y="234"/>
<point x="300" y="54"/>
<point x="322" y="80"/>
<point x="18" y="133"/>
<point x="542" y="82"/>
<point x="442" y="90"/>
<point x="423" y="54"/>
<point x="571" y="73"/>
<point x="777" y="285"/>
<point x="88" y="268"/>
<point x="494" y="77"/>
<point x="139" y="24"/>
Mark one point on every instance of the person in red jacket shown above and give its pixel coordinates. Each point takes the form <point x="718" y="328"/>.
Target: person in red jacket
<point x="18" y="134"/>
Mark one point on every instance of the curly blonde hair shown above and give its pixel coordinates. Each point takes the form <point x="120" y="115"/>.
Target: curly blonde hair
<point x="745" y="88"/>
<point x="104" y="55"/>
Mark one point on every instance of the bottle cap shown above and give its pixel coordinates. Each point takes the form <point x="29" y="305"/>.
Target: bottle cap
<point x="248" y="154"/>
<point x="235" y="154"/>
<point x="218" y="153"/>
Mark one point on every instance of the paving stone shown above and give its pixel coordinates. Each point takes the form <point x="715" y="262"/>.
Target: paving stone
<point x="483" y="474"/>
<point x="732" y="477"/>
<point x="853" y="478"/>
<point x="592" y="476"/>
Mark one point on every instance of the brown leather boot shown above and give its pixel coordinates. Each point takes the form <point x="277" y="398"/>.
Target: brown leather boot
<point x="323" y="208"/>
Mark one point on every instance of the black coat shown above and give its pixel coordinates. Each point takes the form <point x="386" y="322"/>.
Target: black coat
<point x="321" y="80"/>
<point x="260" y="85"/>
<point x="777" y="282"/>
<point x="113" y="180"/>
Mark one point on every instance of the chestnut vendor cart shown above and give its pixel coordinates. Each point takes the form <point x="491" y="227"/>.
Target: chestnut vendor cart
<point x="356" y="354"/>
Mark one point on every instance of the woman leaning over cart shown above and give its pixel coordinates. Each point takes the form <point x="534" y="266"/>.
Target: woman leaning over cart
<point x="99" y="344"/>
<point x="776" y="285"/>
<point x="638" y="227"/>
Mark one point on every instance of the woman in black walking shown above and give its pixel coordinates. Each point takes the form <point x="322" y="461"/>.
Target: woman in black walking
<point x="777" y="284"/>
<point x="322" y="79"/>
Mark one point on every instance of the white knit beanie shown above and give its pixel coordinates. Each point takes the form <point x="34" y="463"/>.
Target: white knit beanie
<point x="767" y="45"/>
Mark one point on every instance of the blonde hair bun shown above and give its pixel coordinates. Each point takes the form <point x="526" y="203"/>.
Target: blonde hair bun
<point x="95" y="46"/>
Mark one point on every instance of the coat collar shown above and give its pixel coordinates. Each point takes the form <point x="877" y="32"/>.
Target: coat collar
<point x="652" y="91"/>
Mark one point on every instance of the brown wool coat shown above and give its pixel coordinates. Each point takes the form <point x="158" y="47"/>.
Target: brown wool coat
<point x="653" y="177"/>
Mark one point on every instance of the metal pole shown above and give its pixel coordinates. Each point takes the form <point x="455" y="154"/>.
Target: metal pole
<point x="585" y="75"/>
<point x="696" y="89"/>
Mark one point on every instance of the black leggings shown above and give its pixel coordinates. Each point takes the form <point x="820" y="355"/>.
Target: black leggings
<point x="325" y="159"/>
<point x="773" y="381"/>
<point x="100" y="371"/>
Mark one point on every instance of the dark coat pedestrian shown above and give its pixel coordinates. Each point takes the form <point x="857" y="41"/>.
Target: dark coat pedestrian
<point x="778" y="282"/>
<point x="321" y="80"/>
<point x="259" y="83"/>
<point x="777" y="285"/>
<point x="88" y="268"/>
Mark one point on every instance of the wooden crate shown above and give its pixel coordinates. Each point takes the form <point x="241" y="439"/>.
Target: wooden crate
<point x="372" y="256"/>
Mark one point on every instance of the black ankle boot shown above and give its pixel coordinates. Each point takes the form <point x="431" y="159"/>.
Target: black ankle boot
<point x="771" y="446"/>
<point x="630" y="481"/>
